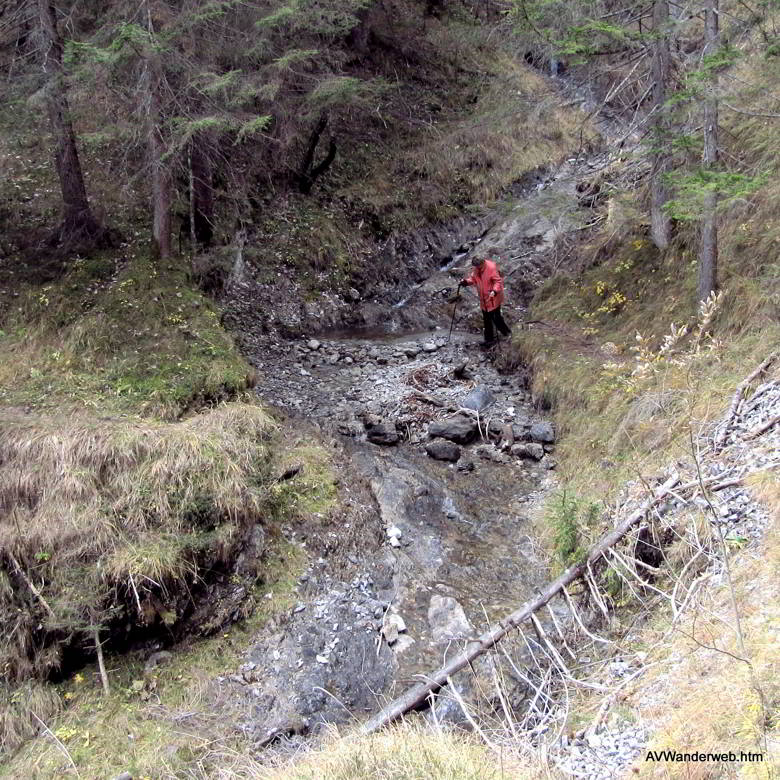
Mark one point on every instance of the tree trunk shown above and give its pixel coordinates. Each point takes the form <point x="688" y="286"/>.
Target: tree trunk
<point x="202" y="191"/>
<point x="162" y="185"/>
<point x="708" y="246"/>
<point x="660" y="224"/>
<point x="78" y="223"/>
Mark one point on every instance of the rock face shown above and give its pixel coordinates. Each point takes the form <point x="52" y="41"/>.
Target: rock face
<point x="457" y="428"/>
<point x="479" y="399"/>
<point x="443" y="450"/>
<point x="543" y="432"/>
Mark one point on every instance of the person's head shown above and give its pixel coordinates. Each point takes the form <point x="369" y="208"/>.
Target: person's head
<point x="477" y="261"/>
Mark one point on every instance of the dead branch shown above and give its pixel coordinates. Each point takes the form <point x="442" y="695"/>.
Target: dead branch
<point x="28" y="582"/>
<point x="430" y="399"/>
<point x="749" y="113"/>
<point x="101" y="663"/>
<point x="763" y="428"/>
<point x="720" y="439"/>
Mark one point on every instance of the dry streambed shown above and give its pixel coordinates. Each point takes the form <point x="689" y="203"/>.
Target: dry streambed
<point x="456" y="458"/>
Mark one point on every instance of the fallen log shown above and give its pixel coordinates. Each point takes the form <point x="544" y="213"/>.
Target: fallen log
<point x="763" y="428"/>
<point x="474" y="648"/>
<point x="720" y="438"/>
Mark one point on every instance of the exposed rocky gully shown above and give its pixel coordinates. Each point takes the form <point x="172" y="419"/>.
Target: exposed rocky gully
<point x="443" y="455"/>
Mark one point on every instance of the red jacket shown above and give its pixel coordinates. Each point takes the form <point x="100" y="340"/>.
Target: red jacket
<point x="487" y="279"/>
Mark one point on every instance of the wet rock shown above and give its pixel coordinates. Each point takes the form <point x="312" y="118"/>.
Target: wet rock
<point x="447" y="620"/>
<point x="531" y="450"/>
<point x="458" y="428"/>
<point x="543" y="432"/>
<point x="430" y="346"/>
<point x="443" y="450"/>
<point x="479" y="399"/>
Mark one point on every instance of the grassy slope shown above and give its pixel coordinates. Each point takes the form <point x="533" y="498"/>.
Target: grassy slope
<point x="624" y="408"/>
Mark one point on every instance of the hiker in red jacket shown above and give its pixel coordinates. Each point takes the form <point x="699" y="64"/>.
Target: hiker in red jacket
<point x="490" y="286"/>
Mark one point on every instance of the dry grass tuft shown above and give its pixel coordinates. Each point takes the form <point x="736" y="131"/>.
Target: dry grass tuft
<point x="705" y="695"/>
<point x="22" y="710"/>
<point x="409" y="751"/>
<point x="107" y="519"/>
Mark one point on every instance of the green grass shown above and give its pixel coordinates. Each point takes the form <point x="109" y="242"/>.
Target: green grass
<point x="122" y="336"/>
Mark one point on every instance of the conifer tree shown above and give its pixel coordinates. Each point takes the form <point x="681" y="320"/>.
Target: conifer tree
<point x="708" y="242"/>
<point x="79" y="228"/>
<point x="660" y="223"/>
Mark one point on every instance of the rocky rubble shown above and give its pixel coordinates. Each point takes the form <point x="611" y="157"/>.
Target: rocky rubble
<point x="403" y="389"/>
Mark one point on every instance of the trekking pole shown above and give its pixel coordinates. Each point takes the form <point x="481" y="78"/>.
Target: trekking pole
<point x="454" y="309"/>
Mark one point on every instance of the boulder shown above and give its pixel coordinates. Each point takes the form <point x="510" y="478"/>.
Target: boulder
<point x="530" y="450"/>
<point x="457" y="428"/>
<point x="383" y="433"/>
<point x="479" y="399"/>
<point x="543" y="432"/>
<point x="443" y="450"/>
<point x="447" y="620"/>
<point x="430" y="346"/>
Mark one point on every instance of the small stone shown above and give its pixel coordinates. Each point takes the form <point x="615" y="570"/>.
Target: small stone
<point x="430" y="346"/>
<point x="394" y="531"/>
<point x="543" y="432"/>
<point x="322" y="659"/>
<point x="523" y="450"/>
<point x="443" y="450"/>
<point x="313" y="344"/>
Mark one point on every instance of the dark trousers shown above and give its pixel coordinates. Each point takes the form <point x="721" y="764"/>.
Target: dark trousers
<point x="493" y="322"/>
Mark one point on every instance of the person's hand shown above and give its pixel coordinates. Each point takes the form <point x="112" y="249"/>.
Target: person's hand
<point x="492" y="293"/>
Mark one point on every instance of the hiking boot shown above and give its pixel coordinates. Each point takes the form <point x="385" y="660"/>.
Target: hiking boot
<point x="487" y="344"/>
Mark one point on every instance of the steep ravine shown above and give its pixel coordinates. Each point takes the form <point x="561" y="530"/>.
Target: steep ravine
<point x="456" y="551"/>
